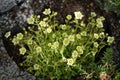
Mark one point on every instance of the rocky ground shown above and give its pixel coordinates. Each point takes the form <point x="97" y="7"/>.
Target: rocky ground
<point x="14" y="13"/>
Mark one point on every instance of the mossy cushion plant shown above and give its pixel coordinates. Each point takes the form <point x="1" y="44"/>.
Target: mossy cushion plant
<point x="62" y="51"/>
<point x="109" y="5"/>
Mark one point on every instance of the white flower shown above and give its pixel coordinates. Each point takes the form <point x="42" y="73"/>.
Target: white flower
<point x="74" y="54"/>
<point x="96" y="36"/>
<point x="22" y="50"/>
<point x="102" y="18"/>
<point x="15" y="41"/>
<point x="31" y="20"/>
<point x="99" y="22"/>
<point x="96" y="44"/>
<point x="82" y="24"/>
<point x="94" y="51"/>
<point x="100" y="25"/>
<point x="104" y="76"/>
<point x="42" y="23"/>
<point x="56" y="44"/>
<point x="70" y="61"/>
<point x="93" y="14"/>
<point x="55" y="13"/>
<point x="54" y="35"/>
<point x="64" y="59"/>
<point x="102" y="35"/>
<point x="66" y="42"/>
<point x="45" y="19"/>
<point x="78" y="15"/>
<point x="83" y="33"/>
<point x="49" y="44"/>
<point x="78" y="36"/>
<point x="19" y="36"/>
<point x="64" y="34"/>
<point x="29" y="42"/>
<point x="64" y="27"/>
<point x="45" y="31"/>
<point x="38" y="49"/>
<point x="52" y="47"/>
<point x="49" y="30"/>
<point x="73" y="30"/>
<point x="38" y="16"/>
<point x="7" y="34"/>
<point x="79" y="49"/>
<point x="110" y="39"/>
<point x="47" y="11"/>
<point x="69" y="17"/>
<point x="71" y="38"/>
<point x="36" y="66"/>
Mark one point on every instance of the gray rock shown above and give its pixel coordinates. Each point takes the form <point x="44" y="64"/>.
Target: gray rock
<point x="18" y="1"/>
<point x="10" y="71"/>
<point x="6" y="5"/>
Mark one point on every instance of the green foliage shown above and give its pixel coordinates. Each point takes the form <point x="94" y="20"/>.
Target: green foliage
<point x="109" y="66"/>
<point x="107" y="63"/>
<point x="117" y="76"/>
<point x="61" y="51"/>
<point x="110" y="5"/>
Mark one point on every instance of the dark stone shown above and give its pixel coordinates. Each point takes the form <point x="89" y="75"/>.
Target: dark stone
<point x="6" y="5"/>
<point x="10" y="71"/>
<point x="11" y="20"/>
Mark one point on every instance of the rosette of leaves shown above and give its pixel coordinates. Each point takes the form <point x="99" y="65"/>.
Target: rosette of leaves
<point x="109" y="5"/>
<point x="62" y="51"/>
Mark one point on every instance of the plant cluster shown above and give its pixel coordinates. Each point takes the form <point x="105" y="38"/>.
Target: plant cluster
<point x="110" y="5"/>
<point x="62" y="51"/>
